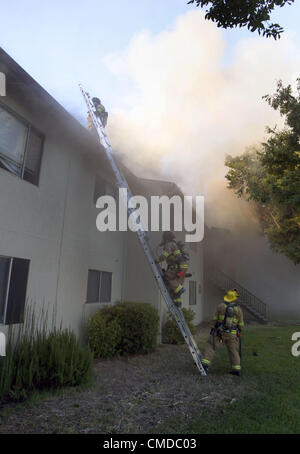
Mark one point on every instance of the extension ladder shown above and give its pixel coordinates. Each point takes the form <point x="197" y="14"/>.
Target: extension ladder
<point x="122" y="184"/>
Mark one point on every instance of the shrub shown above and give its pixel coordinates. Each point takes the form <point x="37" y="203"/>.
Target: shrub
<point x="125" y="328"/>
<point x="104" y="333"/>
<point x="36" y="359"/>
<point x="139" y="322"/>
<point x="171" y="333"/>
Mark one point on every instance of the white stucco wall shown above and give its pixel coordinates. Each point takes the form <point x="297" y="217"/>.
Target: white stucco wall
<point x="54" y="225"/>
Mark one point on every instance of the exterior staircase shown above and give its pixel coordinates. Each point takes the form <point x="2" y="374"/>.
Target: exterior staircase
<point x="247" y="300"/>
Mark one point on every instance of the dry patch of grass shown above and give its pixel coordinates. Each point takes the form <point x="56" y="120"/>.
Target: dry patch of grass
<point x="129" y="395"/>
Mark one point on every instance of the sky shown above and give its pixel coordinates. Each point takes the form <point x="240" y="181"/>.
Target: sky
<point x="62" y="43"/>
<point x="181" y="93"/>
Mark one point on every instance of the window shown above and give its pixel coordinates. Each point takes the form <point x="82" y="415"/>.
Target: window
<point x="13" y="286"/>
<point x="20" y="146"/>
<point x="99" y="287"/>
<point x="102" y="187"/>
<point x="192" y="293"/>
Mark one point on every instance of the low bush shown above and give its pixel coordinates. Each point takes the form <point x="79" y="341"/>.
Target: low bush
<point x="38" y="359"/>
<point x="125" y="328"/>
<point x="104" y="333"/>
<point x="171" y="333"/>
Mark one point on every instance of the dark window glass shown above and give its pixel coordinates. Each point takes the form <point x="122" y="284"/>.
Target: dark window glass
<point x="13" y="286"/>
<point x="4" y="276"/>
<point x="192" y="293"/>
<point x="33" y="158"/>
<point x="105" y="290"/>
<point x="17" y="291"/>
<point x="20" y="147"/>
<point x="99" y="287"/>
<point x="93" y="286"/>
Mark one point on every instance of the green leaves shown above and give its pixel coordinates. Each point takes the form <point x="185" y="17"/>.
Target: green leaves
<point x="271" y="176"/>
<point x="41" y="360"/>
<point x="254" y="14"/>
<point x="125" y="328"/>
<point x="171" y="333"/>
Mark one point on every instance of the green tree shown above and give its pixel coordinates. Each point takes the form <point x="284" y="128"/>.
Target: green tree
<point x="255" y="14"/>
<point x="270" y="177"/>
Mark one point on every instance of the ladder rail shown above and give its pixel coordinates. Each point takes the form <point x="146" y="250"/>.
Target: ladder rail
<point x="143" y="238"/>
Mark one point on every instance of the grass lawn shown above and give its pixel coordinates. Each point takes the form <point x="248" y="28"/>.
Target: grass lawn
<point x="164" y="393"/>
<point x="268" y="400"/>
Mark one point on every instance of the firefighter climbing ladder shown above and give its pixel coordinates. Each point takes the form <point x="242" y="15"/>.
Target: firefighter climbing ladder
<point x="122" y="184"/>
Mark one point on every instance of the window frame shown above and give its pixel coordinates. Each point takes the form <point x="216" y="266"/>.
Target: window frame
<point x="3" y="319"/>
<point x="99" y="289"/>
<point x="30" y="128"/>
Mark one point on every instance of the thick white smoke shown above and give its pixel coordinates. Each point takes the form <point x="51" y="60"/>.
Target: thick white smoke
<point x="188" y="108"/>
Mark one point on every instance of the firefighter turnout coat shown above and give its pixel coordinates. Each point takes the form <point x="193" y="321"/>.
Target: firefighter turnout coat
<point x="177" y="268"/>
<point x="226" y="325"/>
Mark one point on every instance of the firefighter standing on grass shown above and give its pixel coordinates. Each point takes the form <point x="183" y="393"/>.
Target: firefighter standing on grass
<point x="177" y="266"/>
<point x="225" y="329"/>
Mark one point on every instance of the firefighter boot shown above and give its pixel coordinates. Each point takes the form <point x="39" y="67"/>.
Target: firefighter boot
<point x="205" y="367"/>
<point x="235" y="372"/>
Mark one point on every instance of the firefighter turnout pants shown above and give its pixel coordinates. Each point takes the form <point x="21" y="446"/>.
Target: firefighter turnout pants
<point x="232" y="344"/>
<point x="175" y="284"/>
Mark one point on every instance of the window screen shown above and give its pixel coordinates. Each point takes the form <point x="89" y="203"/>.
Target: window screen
<point x="99" y="287"/>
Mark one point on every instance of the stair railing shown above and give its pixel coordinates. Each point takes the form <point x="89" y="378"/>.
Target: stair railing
<point x="225" y="282"/>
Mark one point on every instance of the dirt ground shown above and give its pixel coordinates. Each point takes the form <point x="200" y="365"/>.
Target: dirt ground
<point x="133" y="395"/>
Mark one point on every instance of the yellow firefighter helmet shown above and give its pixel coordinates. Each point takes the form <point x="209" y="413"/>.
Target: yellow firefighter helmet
<point x="230" y="296"/>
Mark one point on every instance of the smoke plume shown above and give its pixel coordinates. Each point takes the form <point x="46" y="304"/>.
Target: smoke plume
<point x="189" y="104"/>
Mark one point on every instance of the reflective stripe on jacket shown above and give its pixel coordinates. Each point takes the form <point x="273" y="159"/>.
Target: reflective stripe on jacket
<point x="100" y="109"/>
<point x="233" y="323"/>
<point x="170" y="253"/>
